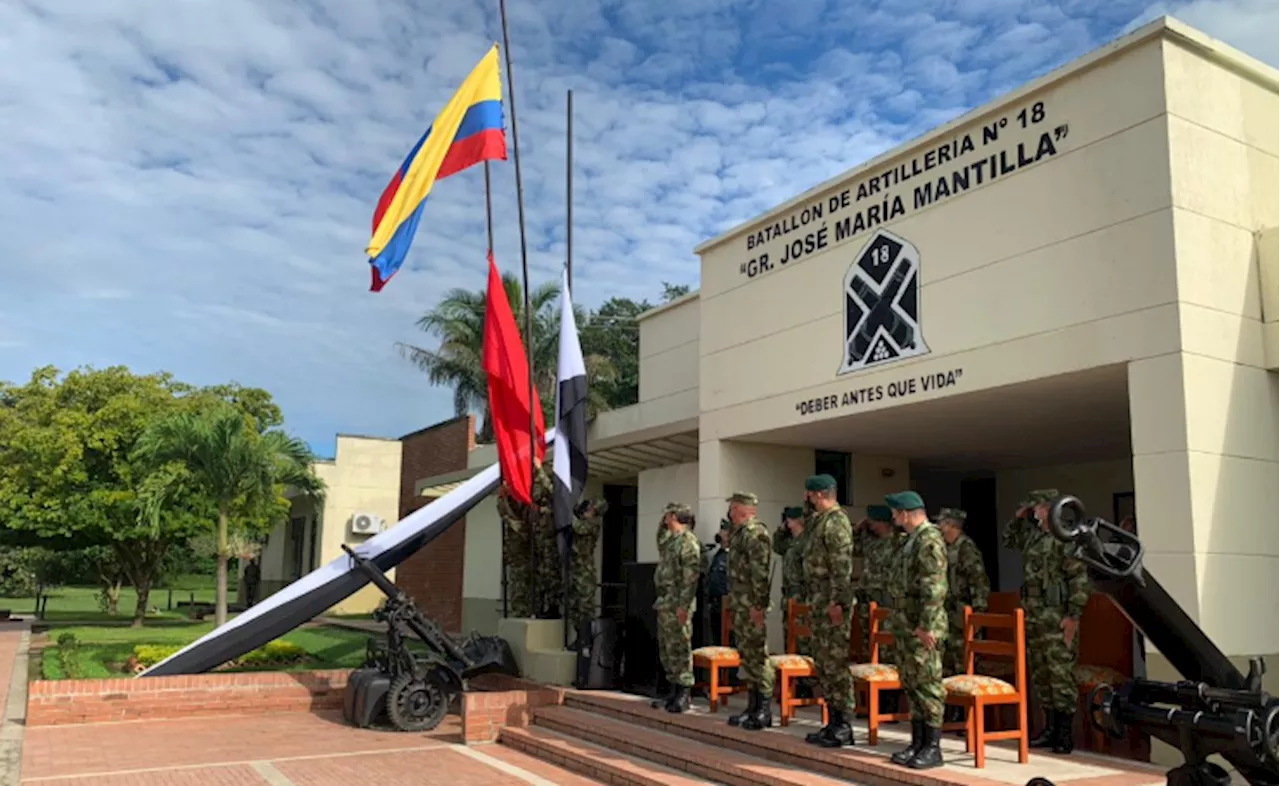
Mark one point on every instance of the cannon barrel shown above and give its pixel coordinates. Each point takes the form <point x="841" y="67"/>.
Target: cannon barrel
<point x="1216" y="709"/>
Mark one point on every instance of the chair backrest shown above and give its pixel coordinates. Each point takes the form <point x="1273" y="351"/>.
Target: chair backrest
<point x="1006" y="638"/>
<point x="1106" y="635"/>
<point x="877" y="615"/>
<point x="797" y="622"/>
<point x="726" y="622"/>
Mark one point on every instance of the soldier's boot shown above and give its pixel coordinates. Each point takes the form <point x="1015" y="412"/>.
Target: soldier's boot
<point x="815" y="737"/>
<point x="908" y="753"/>
<point x="763" y="716"/>
<point x="753" y="706"/>
<point x="663" y="701"/>
<point x="929" y="754"/>
<point x="1050" y="732"/>
<point x="838" y="734"/>
<point x="1064" y="741"/>
<point x="679" y="700"/>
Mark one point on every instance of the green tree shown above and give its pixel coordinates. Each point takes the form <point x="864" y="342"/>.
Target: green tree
<point x="457" y="322"/>
<point x="68" y="478"/>
<point x="613" y="331"/>
<point x="245" y="470"/>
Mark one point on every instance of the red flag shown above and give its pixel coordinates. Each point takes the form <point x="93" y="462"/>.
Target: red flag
<point x="507" y="367"/>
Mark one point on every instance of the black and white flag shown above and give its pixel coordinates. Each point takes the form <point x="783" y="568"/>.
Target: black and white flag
<point x="570" y="455"/>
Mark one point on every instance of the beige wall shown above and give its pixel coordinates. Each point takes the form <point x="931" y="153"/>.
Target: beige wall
<point x="1268" y="244"/>
<point x="669" y="349"/>
<point x="872" y="480"/>
<point x="657" y="487"/>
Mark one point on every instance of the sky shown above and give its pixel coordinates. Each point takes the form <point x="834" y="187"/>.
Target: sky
<point x="188" y="185"/>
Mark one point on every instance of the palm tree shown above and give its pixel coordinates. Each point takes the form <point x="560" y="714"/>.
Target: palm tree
<point x="458" y="322"/>
<point x="244" y="471"/>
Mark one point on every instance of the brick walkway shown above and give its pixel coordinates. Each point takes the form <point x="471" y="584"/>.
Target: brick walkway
<point x="288" y="749"/>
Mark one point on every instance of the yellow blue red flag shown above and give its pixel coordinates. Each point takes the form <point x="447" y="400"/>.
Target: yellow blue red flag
<point x="467" y="131"/>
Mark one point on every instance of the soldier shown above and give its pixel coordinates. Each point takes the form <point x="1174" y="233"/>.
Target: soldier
<point x="515" y="554"/>
<point x="582" y="577"/>
<point x="749" y="556"/>
<point x="549" y="577"/>
<point x="676" y="583"/>
<point x="1054" y="593"/>
<point x="828" y="576"/>
<point x="967" y="585"/>
<point x="788" y="543"/>
<point x="919" y="626"/>
<point x="877" y="542"/>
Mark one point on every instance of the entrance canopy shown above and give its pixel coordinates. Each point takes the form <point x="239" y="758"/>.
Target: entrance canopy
<point x="1078" y="417"/>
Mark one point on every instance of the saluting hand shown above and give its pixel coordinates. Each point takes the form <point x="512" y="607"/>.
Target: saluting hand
<point x="926" y="638"/>
<point x="1069" y="626"/>
<point x="835" y="613"/>
<point x="682" y="616"/>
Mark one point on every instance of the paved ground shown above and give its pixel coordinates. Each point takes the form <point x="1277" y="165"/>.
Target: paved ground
<point x="291" y="749"/>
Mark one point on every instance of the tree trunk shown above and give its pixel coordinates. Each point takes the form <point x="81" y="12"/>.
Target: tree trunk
<point x="144" y="598"/>
<point x="220" y="605"/>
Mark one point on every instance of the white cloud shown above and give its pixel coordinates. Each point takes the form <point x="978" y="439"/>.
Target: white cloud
<point x="188" y="185"/>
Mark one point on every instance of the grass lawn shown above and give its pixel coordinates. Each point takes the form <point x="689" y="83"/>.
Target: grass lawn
<point x="80" y="604"/>
<point x="104" y="649"/>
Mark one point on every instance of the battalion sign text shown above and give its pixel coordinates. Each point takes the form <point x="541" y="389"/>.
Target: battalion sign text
<point x="953" y="167"/>
<point x="871" y="394"/>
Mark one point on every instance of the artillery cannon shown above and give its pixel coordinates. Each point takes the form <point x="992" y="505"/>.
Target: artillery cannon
<point x="413" y="686"/>
<point x="1214" y="710"/>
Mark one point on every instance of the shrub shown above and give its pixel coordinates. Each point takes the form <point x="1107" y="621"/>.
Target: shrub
<point x="69" y="656"/>
<point x="275" y="653"/>
<point x="148" y="655"/>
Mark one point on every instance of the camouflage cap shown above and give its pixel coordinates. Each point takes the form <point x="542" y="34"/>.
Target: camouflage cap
<point x="904" y="500"/>
<point x="880" y="513"/>
<point x="677" y="508"/>
<point x="601" y="506"/>
<point x="952" y="514"/>
<point x="743" y="498"/>
<point x="1041" y="496"/>
<point x="793" y="512"/>
<point x="819" y="483"/>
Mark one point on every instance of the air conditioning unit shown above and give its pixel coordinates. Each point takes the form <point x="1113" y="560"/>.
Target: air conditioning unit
<point x="366" y="524"/>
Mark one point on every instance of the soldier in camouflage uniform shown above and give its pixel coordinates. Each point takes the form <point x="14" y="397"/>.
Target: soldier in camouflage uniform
<point x="1054" y="593"/>
<point x="582" y="577"/>
<point x="750" y="552"/>
<point x="877" y="543"/>
<point x="967" y="585"/>
<point x="788" y="543"/>
<point x="515" y="554"/>
<point x="548" y="568"/>
<point x="828" y="575"/>
<point x="919" y="627"/>
<point x="676" y="584"/>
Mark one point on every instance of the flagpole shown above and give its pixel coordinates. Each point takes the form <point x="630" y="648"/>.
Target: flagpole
<point x="488" y="220"/>
<point x="568" y="190"/>
<point x="524" y="268"/>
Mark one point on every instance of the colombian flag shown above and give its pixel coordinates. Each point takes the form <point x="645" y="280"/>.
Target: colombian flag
<point x="467" y="131"/>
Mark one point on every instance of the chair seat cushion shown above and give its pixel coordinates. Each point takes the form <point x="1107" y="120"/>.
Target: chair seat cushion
<point x="716" y="653"/>
<point x="977" y="685"/>
<point x="790" y="660"/>
<point x="874" y="672"/>
<point x="1089" y="676"/>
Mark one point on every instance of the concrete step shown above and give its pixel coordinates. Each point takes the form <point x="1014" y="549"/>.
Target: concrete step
<point x="679" y="753"/>
<point x="552" y="666"/>
<point x="594" y="761"/>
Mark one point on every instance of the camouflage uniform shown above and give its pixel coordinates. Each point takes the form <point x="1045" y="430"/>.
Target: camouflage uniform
<point x="879" y="557"/>
<point x="1055" y="588"/>
<point x="676" y="583"/>
<point x="749" y="558"/>
<point x="791" y="549"/>
<point x="515" y="555"/>
<point x="583" y="578"/>
<point x="920" y="589"/>
<point x="828" y="573"/>
<point x="967" y="585"/>
<point x="548" y="568"/>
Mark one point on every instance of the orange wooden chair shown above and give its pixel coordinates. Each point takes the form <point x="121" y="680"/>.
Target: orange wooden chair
<point x="792" y="667"/>
<point x="975" y="692"/>
<point x="1105" y="657"/>
<point x="874" y="677"/>
<point x="717" y="658"/>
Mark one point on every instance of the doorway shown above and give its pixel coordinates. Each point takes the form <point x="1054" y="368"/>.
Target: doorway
<point x="978" y="499"/>
<point x="838" y="466"/>
<point x="618" y="539"/>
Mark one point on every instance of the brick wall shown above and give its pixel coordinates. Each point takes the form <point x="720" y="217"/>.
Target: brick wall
<point x="57" y="702"/>
<point x="498" y="701"/>
<point x="433" y="576"/>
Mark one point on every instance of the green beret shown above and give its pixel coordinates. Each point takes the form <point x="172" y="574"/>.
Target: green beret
<point x="1041" y="496"/>
<point x="954" y="514"/>
<point x="743" y="498"/>
<point x="793" y="512"/>
<point x="904" y="500"/>
<point x="880" y="513"/>
<point x="819" y="483"/>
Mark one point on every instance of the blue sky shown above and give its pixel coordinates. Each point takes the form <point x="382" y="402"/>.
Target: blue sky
<point x="188" y="184"/>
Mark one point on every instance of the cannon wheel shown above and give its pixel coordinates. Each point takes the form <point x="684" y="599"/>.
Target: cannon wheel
<point x="417" y="702"/>
<point x="1039" y="782"/>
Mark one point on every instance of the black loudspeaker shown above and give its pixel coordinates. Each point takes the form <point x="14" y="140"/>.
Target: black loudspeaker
<point x="597" y="655"/>
<point x="364" y="702"/>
